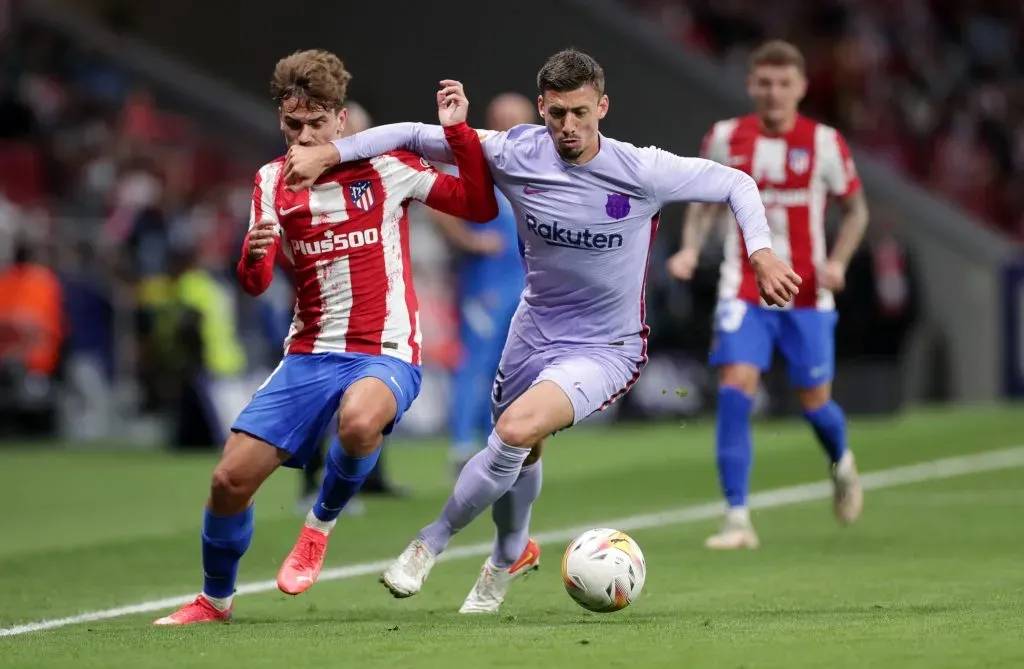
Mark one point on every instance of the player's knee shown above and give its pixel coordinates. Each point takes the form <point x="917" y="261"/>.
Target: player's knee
<point x="812" y="399"/>
<point x="742" y="377"/>
<point x="519" y="428"/>
<point x="228" y="487"/>
<point x="359" y="433"/>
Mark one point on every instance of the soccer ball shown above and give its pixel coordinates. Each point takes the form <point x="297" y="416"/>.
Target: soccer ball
<point x="603" y="570"/>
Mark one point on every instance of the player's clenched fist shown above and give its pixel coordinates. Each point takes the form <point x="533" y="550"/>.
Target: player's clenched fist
<point x="776" y="281"/>
<point x="303" y="165"/>
<point x="452" y="104"/>
<point x="261" y="238"/>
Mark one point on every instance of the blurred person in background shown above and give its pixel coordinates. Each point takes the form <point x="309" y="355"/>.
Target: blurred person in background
<point x="377" y="483"/>
<point x="797" y="163"/>
<point x="882" y="301"/>
<point x="202" y="358"/>
<point x="32" y="334"/>
<point x="490" y="276"/>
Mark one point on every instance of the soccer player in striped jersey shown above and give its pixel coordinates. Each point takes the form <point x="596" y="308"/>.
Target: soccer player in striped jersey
<point x="798" y="164"/>
<point x="354" y="344"/>
<point x="587" y="209"/>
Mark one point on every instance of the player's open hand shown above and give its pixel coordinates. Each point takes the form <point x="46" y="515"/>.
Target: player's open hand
<point x="683" y="264"/>
<point x="452" y="103"/>
<point x="261" y="238"/>
<point x="833" y="276"/>
<point x="776" y="281"/>
<point x="303" y="165"/>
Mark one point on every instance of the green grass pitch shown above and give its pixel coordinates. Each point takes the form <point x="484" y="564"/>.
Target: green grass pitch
<point x="931" y="577"/>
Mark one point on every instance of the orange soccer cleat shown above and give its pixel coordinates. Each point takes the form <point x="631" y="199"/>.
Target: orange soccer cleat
<point x="302" y="566"/>
<point x="199" y="610"/>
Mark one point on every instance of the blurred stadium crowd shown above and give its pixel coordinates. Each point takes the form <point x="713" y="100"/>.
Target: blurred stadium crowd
<point x="935" y="88"/>
<point x="126" y="217"/>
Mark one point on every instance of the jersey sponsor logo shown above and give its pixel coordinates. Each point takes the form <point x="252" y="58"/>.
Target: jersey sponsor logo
<point x="617" y="206"/>
<point x="361" y="194"/>
<point x="799" y="161"/>
<point x="554" y="234"/>
<point x="342" y="241"/>
<point x="785" y="197"/>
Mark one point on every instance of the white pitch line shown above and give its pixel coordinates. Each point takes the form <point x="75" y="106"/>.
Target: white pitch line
<point x="926" y="471"/>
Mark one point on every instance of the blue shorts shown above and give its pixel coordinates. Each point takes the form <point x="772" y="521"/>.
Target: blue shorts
<point x="296" y="403"/>
<point x="748" y="334"/>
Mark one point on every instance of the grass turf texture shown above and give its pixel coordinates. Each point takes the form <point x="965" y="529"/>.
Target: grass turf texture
<point x="930" y="577"/>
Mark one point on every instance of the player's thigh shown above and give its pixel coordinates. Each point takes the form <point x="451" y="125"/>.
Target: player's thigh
<point x="245" y="463"/>
<point x="744" y="334"/>
<point x="378" y="392"/>
<point x="571" y="387"/>
<point x="518" y="368"/>
<point x="293" y="407"/>
<point x="807" y="342"/>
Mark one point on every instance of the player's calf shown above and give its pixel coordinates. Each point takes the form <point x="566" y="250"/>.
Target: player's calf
<point x="365" y="411"/>
<point x="228" y="525"/>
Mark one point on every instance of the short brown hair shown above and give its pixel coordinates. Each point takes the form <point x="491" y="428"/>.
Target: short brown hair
<point x="778" y="52"/>
<point x="568" y="70"/>
<point x="316" y="78"/>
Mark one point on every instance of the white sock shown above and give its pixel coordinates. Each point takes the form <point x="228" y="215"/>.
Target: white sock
<point x="738" y="514"/>
<point x="315" y="523"/>
<point x="219" y="603"/>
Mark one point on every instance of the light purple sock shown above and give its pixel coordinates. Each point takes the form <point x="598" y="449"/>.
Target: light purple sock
<point x="487" y="476"/>
<point x="511" y="515"/>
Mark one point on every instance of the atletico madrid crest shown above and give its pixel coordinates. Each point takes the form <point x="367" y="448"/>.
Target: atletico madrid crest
<point x="799" y="160"/>
<point x="361" y="194"/>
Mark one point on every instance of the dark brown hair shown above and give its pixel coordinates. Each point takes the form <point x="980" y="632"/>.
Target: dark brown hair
<point x="315" y="78"/>
<point x="778" y="52"/>
<point x="568" y="70"/>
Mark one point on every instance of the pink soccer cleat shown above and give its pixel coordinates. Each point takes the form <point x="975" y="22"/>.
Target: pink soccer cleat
<point x="199" y="610"/>
<point x="302" y="566"/>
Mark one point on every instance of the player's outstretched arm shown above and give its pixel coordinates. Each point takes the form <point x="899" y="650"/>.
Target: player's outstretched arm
<point x="471" y="194"/>
<point x="672" y="178"/>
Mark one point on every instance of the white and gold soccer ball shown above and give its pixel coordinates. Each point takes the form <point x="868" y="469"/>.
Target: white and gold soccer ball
<point x="603" y="570"/>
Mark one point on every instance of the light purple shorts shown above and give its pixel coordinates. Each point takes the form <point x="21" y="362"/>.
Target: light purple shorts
<point x="592" y="376"/>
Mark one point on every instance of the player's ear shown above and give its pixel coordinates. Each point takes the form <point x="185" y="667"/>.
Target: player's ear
<point x="342" y="120"/>
<point x="602" y="107"/>
<point x="540" y="106"/>
<point x="801" y="86"/>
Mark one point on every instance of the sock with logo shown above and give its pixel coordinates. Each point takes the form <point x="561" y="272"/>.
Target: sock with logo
<point x="734" y="444"/>
<point x="486" y="477"/>
<point x="511" y="514"/>
<point x="225" y="540"/>
<point x="343" y="476"/>
<point x="829" y="425"/>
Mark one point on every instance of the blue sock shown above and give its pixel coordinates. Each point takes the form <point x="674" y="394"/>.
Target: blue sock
<point x="343" y="477"/>
<point x="829" y="423"/>
<point x="734" y="444"/>
<point x="225" y="540"/>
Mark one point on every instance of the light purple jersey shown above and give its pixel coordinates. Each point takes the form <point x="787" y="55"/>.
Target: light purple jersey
<point x="586" y="230"/>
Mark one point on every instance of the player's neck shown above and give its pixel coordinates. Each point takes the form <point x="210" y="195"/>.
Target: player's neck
<point x="781" y="128"/>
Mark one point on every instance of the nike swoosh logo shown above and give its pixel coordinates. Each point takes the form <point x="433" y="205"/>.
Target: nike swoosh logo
<point x="285" y="212"/>
<point x="533" y="191"/>
<point x="397" y="386"/>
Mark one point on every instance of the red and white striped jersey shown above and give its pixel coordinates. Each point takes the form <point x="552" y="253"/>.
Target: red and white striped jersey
<point x="796" y="173"/>
<point x="346" y="240"/>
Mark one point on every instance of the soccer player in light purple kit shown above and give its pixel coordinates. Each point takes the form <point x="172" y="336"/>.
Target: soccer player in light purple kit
<point x="587" y="210"/>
